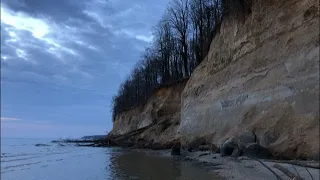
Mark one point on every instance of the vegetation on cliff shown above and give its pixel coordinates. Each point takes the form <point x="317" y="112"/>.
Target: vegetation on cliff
<point x="182" y="40"/>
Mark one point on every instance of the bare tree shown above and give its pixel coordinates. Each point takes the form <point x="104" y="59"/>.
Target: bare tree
<point x="181" y="40"/>
<point x="179" y="17"/>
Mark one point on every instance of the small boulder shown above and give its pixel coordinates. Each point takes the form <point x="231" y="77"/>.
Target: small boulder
<point x="269" y="137"/>
<point x="236" y="152"/>
<point x="315" y="156"/>
<point x="257" y="151"/>
<point x="127" y="144"/>
<point x="176" y="149"/>
<point x="196" y="143"/>
<point x="214" y="148"/>
<point x="227" y="147"/>
<point x="247" y="137"/>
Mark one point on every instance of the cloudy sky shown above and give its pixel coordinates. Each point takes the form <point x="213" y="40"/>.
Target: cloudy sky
<point x="63" y="60"/>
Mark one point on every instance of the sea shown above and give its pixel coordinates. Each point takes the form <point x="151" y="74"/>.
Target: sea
<point x="40" y="159"/>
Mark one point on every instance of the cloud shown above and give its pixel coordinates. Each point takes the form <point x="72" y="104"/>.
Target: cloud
<point x="39" y="46"/>
<point x="20" y="21"/>
<point x="9" y="119"/>
<point x="125" y="18"/>
<point x="63" y="60"/>
<point x="148" y="39"/>
<point x="74" y="40"/>
<point x="40" y="28"/>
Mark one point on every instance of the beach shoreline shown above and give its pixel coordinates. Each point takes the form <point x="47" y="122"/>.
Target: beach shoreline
<point x="242" y="168"/>
<point x="237" y="168"/>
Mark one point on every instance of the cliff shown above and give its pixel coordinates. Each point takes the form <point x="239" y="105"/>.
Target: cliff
<point x="161" y="114"/>
<point x="261" y="75"/>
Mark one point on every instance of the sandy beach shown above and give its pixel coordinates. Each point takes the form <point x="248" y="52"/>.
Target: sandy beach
<point x="244" y="168"/>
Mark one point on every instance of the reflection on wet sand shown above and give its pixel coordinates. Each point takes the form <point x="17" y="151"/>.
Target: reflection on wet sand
<point x="138" y="165"/>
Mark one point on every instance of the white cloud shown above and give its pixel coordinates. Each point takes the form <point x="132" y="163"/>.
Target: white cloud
<point x="95" y="16"/>
<point x="83" y="44"/>
<point x="9" y="119"/>
<point x="118" y="22"/>
<point x="145" y="38"/>
<point x="132" y="34"/>
<point x="21" y="53"/>
<point x="42" y="29"/>
<point x="4" y="58"/>
<point x="39" y="28"/>
<point x="25" y="33"/>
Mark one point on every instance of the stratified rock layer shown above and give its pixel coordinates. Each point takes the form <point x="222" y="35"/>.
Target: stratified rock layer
<point x="161" y="114"/>
<point x="259" y="82"/>
<point x="262" y="75"/>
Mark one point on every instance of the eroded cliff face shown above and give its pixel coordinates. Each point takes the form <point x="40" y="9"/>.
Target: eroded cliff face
<point x="261" y="75"/>
<point x="161" y="114"/>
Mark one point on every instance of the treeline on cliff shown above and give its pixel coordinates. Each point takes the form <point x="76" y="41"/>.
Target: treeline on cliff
<point x="181" y="41"/>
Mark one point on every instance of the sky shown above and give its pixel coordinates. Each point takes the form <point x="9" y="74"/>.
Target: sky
<point x="63" y="60"/>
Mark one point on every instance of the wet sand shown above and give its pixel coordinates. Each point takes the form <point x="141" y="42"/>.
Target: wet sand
<point x="244" y="168"/>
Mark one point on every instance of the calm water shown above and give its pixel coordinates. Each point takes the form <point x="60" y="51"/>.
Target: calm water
<point x="21" y="159"/>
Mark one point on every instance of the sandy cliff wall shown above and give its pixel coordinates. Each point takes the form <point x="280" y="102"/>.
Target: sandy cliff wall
<point x="261" y="75"/>
<point x="165" y="104"/>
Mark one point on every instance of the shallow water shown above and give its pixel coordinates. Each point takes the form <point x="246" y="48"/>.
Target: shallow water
<point x="21" y="159"/>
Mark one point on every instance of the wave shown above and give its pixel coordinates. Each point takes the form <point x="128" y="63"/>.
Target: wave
<point x="19" y="165"/>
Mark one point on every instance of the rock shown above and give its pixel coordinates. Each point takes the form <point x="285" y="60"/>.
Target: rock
<point x="38" y="145"/>
<point x="204" y="148"/>
<point x="127" y="144"/>
<point x="236" y="152"/>
<point x="315" y="156"/>
<point x="214" y="148"/>
<point x="247" y="137"/>
<point x="269" y="137"/>
<point x="196" y="143"/>
<point x="227" y="147"/>
<point x="85" y="145"/>
<point x="175" y="151"/>
<point x="257" y="151"/>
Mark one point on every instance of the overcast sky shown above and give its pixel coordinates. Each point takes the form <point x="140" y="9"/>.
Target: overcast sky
<point x="63" y="60"/>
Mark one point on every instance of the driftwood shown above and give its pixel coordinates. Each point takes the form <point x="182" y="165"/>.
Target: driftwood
<point x="287" y="172"/>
